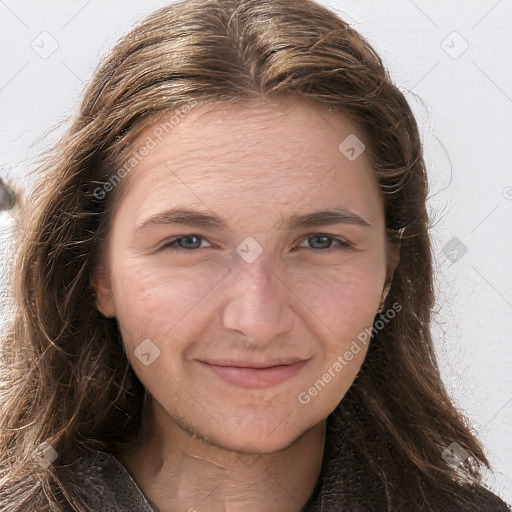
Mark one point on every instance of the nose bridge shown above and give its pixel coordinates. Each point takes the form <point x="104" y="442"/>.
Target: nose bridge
<point x="257" y="301"/>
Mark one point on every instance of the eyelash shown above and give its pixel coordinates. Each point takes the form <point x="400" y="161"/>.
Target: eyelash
<point x="168" y="245"/>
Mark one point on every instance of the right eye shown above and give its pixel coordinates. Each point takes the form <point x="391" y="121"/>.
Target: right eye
<point x="183" y="243"/>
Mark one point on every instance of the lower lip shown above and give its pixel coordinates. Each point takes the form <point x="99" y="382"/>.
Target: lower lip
<point x="255" y="378"/>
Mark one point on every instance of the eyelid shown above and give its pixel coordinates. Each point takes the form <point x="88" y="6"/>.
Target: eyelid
<point x="168" y="241"/>
<point x="344" y="243"/>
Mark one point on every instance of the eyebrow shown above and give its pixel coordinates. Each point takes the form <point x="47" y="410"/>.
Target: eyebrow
<point x="295" y="221"/>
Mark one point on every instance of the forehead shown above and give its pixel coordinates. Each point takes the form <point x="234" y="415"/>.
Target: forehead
<point x="238" y="133"/>
<point x="289" y="148"/>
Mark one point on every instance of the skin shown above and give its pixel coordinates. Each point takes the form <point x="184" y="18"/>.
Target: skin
<point x="208" y="444"/>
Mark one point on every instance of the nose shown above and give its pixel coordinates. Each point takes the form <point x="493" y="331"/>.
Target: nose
<point x="259" y="302"/>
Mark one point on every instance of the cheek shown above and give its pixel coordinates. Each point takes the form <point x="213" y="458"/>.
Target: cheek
<point x="154" y="303"/>
<point x="344" y="305"/>
<point x="345" y="298"/>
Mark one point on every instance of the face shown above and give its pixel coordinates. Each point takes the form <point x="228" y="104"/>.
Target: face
<point x="238" y="300"/>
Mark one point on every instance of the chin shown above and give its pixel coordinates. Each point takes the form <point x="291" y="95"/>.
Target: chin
<point x="253" y="443"/>
<point x="260" y="434"/>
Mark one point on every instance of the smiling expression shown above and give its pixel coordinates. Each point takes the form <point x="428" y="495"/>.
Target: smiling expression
<point x="246" y="254"/>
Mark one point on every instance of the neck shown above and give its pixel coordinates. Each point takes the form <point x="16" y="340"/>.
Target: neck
<point x="177" y="471"/>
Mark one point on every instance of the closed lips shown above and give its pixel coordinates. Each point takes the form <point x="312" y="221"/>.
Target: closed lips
<point x="254" y="364"/>
<point x="254" y="375"/>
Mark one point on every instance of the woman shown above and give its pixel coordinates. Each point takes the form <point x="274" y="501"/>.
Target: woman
<point x="224" y="284"/>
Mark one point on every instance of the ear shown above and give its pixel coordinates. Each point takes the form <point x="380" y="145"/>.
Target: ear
<point x="101" y="284"/>
<point x="393" y="259"/>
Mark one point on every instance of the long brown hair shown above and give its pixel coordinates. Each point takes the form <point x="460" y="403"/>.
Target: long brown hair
<point x="65" y="379"/>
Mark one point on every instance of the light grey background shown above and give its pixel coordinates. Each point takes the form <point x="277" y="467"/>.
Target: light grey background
<point x="462" y="98"/>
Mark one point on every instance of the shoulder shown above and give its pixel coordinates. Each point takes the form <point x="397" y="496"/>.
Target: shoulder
<point x="487" y="500"/>
<point x="99" y="481"/>
<point x="481" y="499"/>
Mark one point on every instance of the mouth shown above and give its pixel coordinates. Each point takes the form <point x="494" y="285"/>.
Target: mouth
<point x="255" y="375"/>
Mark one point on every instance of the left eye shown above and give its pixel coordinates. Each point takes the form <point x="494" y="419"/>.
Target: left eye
<point x="326" y="242"/>
<point x="317" y="241"/>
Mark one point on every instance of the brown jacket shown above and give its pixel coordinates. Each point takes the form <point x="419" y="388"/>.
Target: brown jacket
<point x="106" y="486"/>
